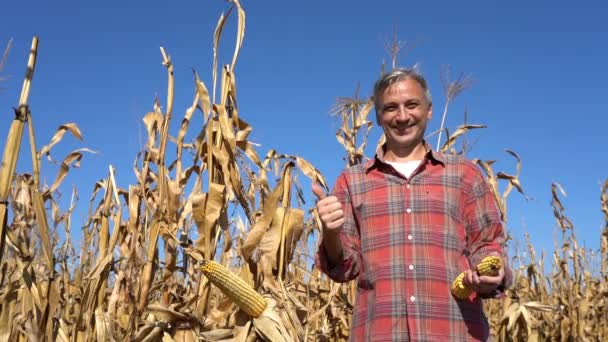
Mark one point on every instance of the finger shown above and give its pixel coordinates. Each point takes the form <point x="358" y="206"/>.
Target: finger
<point x="318" y="191"/>
<point x="486" y="290"/>
<point x="329" y="205"/>
<point x="493" y="280"/>
<point x="472" y="281"/>
<point x="332" y="216"/>
<point x="335" y="224"/>
<point x="475" y="278"/>
<point x="468" y="278"/>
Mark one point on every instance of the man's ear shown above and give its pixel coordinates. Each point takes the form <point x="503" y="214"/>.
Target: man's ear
<point x="430" y="115"/>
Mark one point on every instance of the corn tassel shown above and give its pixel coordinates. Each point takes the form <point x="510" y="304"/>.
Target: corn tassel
<point x="489" y="266"/>
<point x="235" y="288"/>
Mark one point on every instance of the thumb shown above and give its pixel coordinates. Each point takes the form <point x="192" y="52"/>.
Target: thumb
<point x="318" y="191"/>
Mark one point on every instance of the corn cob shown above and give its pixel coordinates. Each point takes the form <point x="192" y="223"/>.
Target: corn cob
<point x="489" y="266"/>
<point x="459" y="289"/>
<point x="235" y="288"/>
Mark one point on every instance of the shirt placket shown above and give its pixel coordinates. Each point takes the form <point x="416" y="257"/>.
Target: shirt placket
<point x="409" y="295"/>
<point x="412" y="186"/>
<point x="397" y="184"/>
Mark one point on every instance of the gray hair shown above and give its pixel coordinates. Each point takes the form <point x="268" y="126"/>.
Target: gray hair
<point x="399" y="75"/>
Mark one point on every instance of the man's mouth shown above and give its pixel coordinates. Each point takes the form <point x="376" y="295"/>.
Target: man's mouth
<point x="403" y="129"/>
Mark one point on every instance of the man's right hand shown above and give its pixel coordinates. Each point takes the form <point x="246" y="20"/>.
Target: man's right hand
<point x="330" y="210"/>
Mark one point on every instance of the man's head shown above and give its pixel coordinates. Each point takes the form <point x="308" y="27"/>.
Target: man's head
<point x="395" y="76"/>
<point x="403" y="107"/>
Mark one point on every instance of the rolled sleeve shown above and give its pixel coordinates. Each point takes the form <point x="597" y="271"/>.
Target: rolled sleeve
<point x="485" y="230"/>
<point x="341" y="272"/>
<point x="348" y="268"/>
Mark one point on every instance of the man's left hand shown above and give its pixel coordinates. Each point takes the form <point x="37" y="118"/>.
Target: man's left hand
<point x="483" y="285"/>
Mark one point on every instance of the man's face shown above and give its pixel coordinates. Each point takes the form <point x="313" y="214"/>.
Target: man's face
<point x="403" y="112"/>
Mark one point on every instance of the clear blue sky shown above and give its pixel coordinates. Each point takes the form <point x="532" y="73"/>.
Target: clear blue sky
<point x="539" y="68"/>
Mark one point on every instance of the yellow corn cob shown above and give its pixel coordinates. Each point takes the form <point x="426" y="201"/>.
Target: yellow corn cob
<point x="489" y="266"/>
<point x="235" y="288"/>
<point x="459" y="289"/>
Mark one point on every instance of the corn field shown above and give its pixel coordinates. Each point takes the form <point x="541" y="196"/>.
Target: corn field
<point x="215" y="241"/>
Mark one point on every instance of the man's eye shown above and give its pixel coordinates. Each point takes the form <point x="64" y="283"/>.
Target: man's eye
<point x="390" y="108"/>
<point x="412" y="105"/>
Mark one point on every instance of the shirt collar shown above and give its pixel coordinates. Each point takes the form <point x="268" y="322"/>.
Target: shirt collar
<point x="430" y="155"/>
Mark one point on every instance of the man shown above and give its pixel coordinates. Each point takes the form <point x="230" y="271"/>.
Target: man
<point x="406" y="223"/>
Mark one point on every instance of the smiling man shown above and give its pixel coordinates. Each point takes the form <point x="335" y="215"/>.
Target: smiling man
<point x="406" y="223"/>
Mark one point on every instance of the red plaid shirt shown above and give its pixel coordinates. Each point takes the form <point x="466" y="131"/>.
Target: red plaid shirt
<point x="405" y="240"/>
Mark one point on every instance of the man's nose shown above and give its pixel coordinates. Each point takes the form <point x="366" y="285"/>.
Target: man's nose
<point x="402" y="113"/>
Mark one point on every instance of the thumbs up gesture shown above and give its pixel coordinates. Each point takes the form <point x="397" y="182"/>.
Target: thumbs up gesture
<point x="330" y="210"/>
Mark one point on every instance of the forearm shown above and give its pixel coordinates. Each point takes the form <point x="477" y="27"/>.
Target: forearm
<point x="332" y="243"/>
<point x="338" y="256"/>
<point x="485" y="230"/>
<point x="338" y="253"/>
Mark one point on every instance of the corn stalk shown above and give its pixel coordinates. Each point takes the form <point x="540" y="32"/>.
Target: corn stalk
<point x="13" y="143"/>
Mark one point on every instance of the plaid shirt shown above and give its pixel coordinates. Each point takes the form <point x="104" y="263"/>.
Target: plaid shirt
<point x="406" y="240"/>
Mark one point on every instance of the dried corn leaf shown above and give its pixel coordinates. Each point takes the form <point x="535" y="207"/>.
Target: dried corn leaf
<point x="206" y="209"/>
<point x="153" y="122"/>
<point x="459" y="131"/>
<point x="362" y="116"/>
<point x="7" y="311"/>
<point x="243" y="130"/>
<point x="270" y="327"/>
<point x="147" y="275"/>
<point x="73" y="157"/>
<point x="249" y="150"/>
<point x="512" y="179"/>
<point x="185" y="336"/>
<point x="167" y="337"/>
<point x="311" y="172"/>
<point x="101" y="326"/>
<point x="217" y="334"/>
<point x="168" y="315"/>
<point x="226" y="127"/>
<point x="262" y="224"/>
<point x="203" y="95"/>
<point x="216" y="43"/>
<point x="271" y="241"/>
<point x="43" y="227"/>
<point x="293" y="232"/>
<point x="69" y="127"/>
<point x="240" y="32"/>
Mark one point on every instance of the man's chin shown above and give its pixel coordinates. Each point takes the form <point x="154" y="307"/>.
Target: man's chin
<point x="404" y="141"/>
<point x="399" y="143"/>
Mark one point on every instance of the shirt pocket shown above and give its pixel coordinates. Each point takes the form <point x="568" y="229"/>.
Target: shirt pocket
<point x="444" y="201"/>
<point x="443" y="215"/>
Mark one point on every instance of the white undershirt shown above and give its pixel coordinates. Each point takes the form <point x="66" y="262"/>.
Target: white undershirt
<point x="405" y="168"/>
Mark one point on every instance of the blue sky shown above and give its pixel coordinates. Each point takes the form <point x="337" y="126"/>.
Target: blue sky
<point x="539" y="69"/>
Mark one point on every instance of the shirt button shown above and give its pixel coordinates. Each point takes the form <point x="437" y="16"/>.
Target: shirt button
<point x="407" y="186"/>
<point x="409" y="210"/>
<point x="409" y="237"/>
<point x="411" y="267"/>
<point x="412" y="298"/>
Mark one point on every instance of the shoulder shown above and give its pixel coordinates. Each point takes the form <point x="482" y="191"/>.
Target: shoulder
<point x="467" y="166"/>
<point x="465" y="170"/>
<point x="359" y="168"/>
<point x="356" y="171"/>
<point x="354" y="178"/>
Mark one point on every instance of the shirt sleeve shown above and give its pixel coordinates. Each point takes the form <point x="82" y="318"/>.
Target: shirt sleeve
<point x="348" y="268"/>
<point x="485" y="229"/>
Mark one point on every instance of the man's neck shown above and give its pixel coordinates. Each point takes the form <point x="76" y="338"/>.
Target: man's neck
<point x="405" y="154"/>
